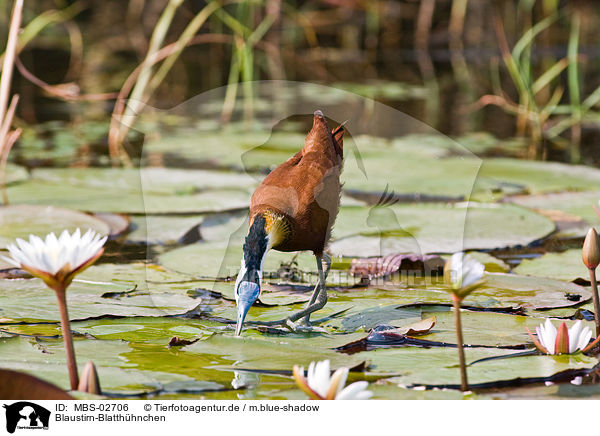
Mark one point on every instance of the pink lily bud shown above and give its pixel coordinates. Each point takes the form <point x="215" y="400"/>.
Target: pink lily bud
<point x="590" y="252"/>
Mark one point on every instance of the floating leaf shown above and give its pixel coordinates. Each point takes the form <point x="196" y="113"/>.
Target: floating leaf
<point x="572" y="204"/>
<point x="415" y="228"/>
<point x="440" y="367"/>
<point x="19" y="221"/>
<point x="220" y="259"/>
<point x="122" y="200"/>
<point x="117" y="224"/>
<point x="159" y="229"/>
<point x="564" y="266"/>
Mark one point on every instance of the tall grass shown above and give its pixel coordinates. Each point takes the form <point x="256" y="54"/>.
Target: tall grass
<point x="245" y="38"/>
<point x="542" y="118"/>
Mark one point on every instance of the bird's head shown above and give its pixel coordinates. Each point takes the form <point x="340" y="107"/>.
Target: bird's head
<point x="247" y="285"/>
<point x="246" y="293"/>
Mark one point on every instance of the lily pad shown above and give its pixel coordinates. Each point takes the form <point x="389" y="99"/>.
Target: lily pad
<point x="47" y="360"/>
<point x="416" y="228"/>
<point x="564" y="266"/>
<point x="466" y="176"/>
<point x="19" y="221"/>
<point x="159" y="229"/>
<point x="152" y="180"/>
<point x="220" y="259"/>
<point x="537" y="177"/>
<point x="440" y="367"/>
<point x="29" y="299"/>
<point x="486" y="328"/>
<point x="575" y="204"/>
<point x="491" y="263"/>
<point x="284" y="353"/>
<point x="530" y="292"/>
<point x="240" y="150"/>
<point x="123" y="200"/>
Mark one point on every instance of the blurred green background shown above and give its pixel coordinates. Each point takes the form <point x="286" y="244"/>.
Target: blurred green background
<point x="451" y="64"/>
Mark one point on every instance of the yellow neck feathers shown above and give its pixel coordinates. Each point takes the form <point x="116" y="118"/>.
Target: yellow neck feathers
<point x="277" y="228"/>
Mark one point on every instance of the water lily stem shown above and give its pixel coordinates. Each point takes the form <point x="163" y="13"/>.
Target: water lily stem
<point x="67" y="338"/>
<point x="464" y="385"/>
<point x="595" y="298"/>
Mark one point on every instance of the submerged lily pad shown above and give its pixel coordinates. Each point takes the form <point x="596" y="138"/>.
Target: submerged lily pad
<point x="19" y="221"/>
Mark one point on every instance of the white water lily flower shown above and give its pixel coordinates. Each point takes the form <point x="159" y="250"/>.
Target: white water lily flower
<point x="320" y="385"/>
<point x="463" y="273"/>
<point x="57" y="260"/>
<point x="562" y="341"/>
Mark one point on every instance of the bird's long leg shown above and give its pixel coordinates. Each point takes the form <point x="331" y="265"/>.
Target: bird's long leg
<point x="321" y="283"/>
<point x="319" y="297"/>
<point x="317" y="289"/>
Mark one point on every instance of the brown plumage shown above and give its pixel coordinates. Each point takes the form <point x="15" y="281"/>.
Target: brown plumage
<point x="294" y="209"/>
<point x="304" y="192"/>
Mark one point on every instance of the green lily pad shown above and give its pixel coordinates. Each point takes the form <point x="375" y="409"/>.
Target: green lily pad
<point x="538" y="177"/>
<point x="119" y="200"/>
<point x="415" y="228"/>
<point x="249" y="352"/>
<point x="146" y="190"/>
<point x="29" y="299"/>
<point x="491" y="263"/>
<point x="577" y="204"/>
<point x="485" y="328"/>
<point x="21" y="221"/>
<point x="46" y="359"/>
<point x="162" y="229"/>
<point x="439" y="366"/>
<point x="241" y="150"/>
<point x="564" y="266"/>
<point x="529" y="292"/>
<point x="219" y="259"/>
<point x="464" y="177"/>
<point x="152" y="180"/>
<point x="498" y="291"/>
<point x="562" y="391"/>
<point x="131" y="275"/>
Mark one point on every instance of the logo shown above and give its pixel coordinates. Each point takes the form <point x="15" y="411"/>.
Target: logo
<point x="26" y="415"/>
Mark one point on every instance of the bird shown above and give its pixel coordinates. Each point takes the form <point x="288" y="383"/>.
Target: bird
<point x="294" y="209"/>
